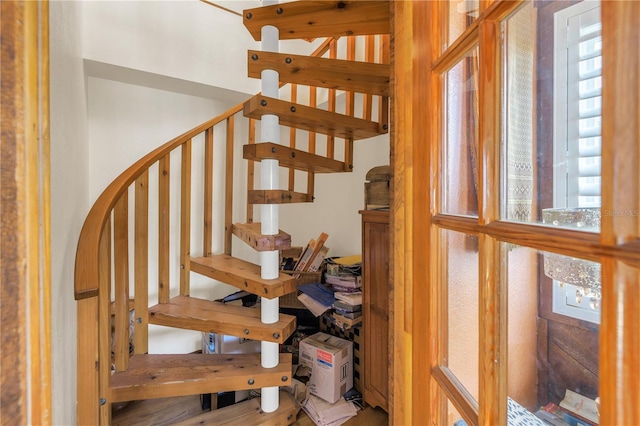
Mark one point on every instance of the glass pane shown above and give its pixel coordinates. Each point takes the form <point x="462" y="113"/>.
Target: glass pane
<point x="462" y="308"/>
<point x="460" y="15"/>
<point x="552" y="115"/>
<point x="454" y="418"/>
<point x="460" y="151"/>
<point x="552" y="358"/>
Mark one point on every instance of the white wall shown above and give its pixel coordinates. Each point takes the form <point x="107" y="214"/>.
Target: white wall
<point x="125" y="123"/>
<point x="339" y="197"/>
<point x="69" y="195"/>
<point x="187" y="40"/>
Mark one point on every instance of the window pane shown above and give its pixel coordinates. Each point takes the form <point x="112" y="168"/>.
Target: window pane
<point x="552" y="113"/>
<point x="460" y="151"/>
<point x="461" y="271"/>
<point x="454" y="418"/>
<point x="548" y="353"/>
<point x="460" y="15"/>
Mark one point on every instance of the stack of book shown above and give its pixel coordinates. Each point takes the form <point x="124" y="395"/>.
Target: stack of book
<point x="347" y="309"/>
<point x="343" y="275"/>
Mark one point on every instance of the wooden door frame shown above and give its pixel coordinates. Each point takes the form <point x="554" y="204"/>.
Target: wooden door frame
<point x="25" y="214"/>
<point x="414" y="134"/>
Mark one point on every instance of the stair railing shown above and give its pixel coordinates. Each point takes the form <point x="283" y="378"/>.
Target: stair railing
<point x="102" y="270"/>
<point x="116" y="231"/>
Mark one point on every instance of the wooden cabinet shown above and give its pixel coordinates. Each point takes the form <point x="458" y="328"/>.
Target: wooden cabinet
<point x="375" y="306"/>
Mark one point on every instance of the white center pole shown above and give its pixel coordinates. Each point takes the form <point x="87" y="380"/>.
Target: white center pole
<point x="269" y="173"/>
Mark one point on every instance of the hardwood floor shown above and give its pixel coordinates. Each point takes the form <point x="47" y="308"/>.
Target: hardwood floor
<point x="167" y="411"/>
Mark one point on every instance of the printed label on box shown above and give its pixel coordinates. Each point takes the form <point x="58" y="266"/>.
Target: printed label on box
<point x="325" y="358"/>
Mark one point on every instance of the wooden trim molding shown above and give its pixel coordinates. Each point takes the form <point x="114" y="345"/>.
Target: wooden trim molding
<point x="25" y="291"/>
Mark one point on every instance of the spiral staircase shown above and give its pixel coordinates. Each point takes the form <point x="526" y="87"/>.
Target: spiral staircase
<point x="121" y="265"/>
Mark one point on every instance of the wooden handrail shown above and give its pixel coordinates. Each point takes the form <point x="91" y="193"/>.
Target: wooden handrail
<point x="86" y="284"/>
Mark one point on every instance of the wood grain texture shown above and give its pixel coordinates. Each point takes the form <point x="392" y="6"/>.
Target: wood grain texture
<point x="312" y="19"/>
<point x="312" y="119"/>
<point x="228" y="185"/>
<point x="207" y="217"/>
<point x="156" y="412"/>
<point x="164" y="228"/>
<point x="190" y="313"/>
<point x="336" y="74"/>
<point x="25" y="231"/>
<point x="243" y="275"/>
<point x="400" y="133"/>
<point x="249" y="413"/>
<point x="102" y="370"/>
<point x="160" y="376"/>
<point x="185" y="218"/>
<point x="293" y="158"/>
<point x="620" y="317"/>
<point x="121" y="283"/>
<point x="172" y="411"/>
<point x="251" y="234"/>
<point x="573" y="361"/>
<point x="141" y="264"/>
<point x="277" y="196"/>
<point x="375" y="306"/>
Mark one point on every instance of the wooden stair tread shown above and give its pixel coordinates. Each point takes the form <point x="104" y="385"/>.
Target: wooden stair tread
<point x="312" y="19"/>
<point x="277" y="196"/>
<point x="190" y="313"/>
<point x="248" y="413"/>
<point x="243" y="275"/>
<point x="292" y="158"/>
<point x="251" y="233"/>
<point x="160" y="376"/>
<point x="312" y="119"/>
<point x="339" y="74"/>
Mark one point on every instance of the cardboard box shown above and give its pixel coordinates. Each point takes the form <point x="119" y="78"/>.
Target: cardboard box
<point x="330" y="360"/>
<point x="353" y="334"/>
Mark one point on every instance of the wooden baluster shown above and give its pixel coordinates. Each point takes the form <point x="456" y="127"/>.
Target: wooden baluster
<point x="185" y="219"/>
<point x="369" y="56"/>
<point x="228" y="196"/>
<point x="383" y="101"/>
<point x="292" y="137"/>
<point x="251" y="170"/>
<point x="351" y="96"/>
<point x="313" y="100"/>
<point x="141" y="263"/>
<point x="207" y="243"/>
<point x="331" y="140"/>
<point x="104" y="331"/>
<point x="121" y="281"/>
<point x="350" y="105"/>
<point x="164" y="175"/>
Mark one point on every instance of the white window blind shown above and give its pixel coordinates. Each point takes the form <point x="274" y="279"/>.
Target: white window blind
<point x="577" y="127"/>
<point x="578" y="72"/>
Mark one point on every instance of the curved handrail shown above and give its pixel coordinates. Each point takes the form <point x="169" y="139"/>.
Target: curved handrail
<point x="86" y="284"/>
